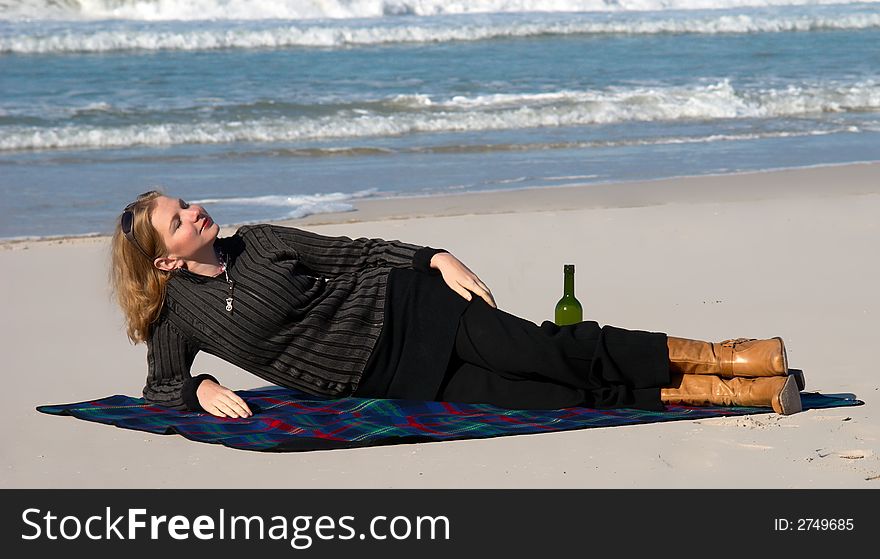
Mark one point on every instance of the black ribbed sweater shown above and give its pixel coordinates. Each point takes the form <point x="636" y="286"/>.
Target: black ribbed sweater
<point x="307" y="312"/>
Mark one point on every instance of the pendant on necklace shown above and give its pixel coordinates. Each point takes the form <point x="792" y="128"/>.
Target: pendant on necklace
<point x="229" y="281"/>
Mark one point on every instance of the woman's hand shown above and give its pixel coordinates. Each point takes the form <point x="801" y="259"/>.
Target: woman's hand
<point x="460" y="278"/>
<point x="218" y="400"/>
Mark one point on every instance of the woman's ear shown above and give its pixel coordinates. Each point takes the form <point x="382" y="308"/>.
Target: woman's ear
<point x="168" y="264"/>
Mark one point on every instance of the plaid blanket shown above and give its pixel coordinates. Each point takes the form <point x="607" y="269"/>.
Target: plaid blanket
<point x="286" y="420"/>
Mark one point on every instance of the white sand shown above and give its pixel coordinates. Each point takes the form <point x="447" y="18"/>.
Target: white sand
<point x="791" y="253"/>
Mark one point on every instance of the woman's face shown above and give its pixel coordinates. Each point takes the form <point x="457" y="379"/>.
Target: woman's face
<point x="186" y="229"/>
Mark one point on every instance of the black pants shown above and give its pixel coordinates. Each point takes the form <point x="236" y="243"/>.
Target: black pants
<point x="510" y="362"/>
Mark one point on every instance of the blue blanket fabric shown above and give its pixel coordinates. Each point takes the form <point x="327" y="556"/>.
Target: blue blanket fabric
<point x="287" y="420"/>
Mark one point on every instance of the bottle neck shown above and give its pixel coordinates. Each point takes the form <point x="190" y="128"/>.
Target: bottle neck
<point x="568" y="285"/>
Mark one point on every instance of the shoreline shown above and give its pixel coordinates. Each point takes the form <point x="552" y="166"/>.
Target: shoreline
<point x="687" y="189"/>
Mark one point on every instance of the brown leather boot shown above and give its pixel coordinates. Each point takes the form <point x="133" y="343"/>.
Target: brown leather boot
<point x="779" y="393"/>
<point x="740" y="357"/>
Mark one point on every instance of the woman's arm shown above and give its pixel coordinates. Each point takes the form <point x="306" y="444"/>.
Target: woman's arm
<point x="170" y="355"/>
<point x="334" y="255"/>
<point x="460" y="278"/>
<point x="339" y="255"/>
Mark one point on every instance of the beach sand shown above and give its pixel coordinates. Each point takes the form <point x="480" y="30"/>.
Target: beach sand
<point x="784" y="253"/>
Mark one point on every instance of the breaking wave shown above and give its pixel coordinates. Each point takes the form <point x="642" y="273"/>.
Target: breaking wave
<point x="410" y="114"/>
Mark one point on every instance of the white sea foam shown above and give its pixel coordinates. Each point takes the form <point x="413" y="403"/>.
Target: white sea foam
<point x="299" y="205"/>
<point x="158" y="10"/>
<point x="51" y="38"/>
<point x="420" y="113"/>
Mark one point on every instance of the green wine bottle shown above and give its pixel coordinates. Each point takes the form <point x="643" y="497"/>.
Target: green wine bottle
<point x="568" y="309"/>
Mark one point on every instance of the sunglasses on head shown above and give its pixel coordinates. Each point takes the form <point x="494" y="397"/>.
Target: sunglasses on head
<point x="127" y="221"/>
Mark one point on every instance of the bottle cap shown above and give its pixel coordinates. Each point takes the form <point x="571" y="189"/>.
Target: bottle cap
<point x="568" y="268"/>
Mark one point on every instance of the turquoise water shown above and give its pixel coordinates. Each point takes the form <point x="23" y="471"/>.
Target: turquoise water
<point x="265" y="118"/>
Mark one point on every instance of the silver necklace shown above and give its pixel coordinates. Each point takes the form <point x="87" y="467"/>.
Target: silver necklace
<point x="228" y="281"/>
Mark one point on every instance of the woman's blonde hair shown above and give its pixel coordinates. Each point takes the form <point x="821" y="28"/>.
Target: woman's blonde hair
<point x="138" y="285"/>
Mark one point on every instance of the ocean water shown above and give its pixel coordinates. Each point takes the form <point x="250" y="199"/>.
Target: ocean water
<point x="268" y="109"/>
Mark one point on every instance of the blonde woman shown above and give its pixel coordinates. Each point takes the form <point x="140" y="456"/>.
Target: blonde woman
<point x="336" y="317"/>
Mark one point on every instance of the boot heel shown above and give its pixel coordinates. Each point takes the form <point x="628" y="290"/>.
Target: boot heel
<point x="798" y="378"/>
<point x="788" y="401"/>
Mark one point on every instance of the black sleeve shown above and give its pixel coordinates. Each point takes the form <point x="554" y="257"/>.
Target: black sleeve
<point x="339" y="255"/>
<point x="170" y="355"/>
<point x="190" y="385"/>
<point x="422" y="260"/>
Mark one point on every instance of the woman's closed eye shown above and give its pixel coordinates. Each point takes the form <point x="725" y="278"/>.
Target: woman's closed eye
<point x="183" y="205"/>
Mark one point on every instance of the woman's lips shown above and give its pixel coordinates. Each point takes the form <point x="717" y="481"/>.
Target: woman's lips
<point x="205" y="224"/>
